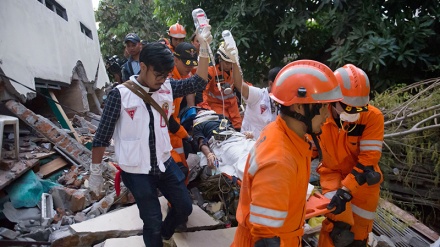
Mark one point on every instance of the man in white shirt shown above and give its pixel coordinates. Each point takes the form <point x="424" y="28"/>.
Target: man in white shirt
<point x="260" y="108"/>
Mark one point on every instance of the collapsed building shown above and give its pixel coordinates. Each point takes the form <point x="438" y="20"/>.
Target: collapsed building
<point x="52" y="83"/>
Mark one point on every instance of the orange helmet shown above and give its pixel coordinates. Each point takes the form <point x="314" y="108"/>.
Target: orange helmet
<point x="177" y="31"/>
<point x="354" y="84"/>
<point x="305" y="82"/>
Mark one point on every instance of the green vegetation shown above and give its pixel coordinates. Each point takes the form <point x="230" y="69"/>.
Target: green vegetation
<point x="118" y="17"/>
<point x="393" y="41"/>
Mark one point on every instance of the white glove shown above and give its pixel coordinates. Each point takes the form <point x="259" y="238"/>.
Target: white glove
<point x="204" y="38"/>
<point x="231" y="52"/>
<point x="96" y="181"/>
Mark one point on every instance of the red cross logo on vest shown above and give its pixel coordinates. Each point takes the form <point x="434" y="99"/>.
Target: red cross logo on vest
<point x="165" y="108"/>
<point x="263" y="108"/>
<point x="131" y="111"/>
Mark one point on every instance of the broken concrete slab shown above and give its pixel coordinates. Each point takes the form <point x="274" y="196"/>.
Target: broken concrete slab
<point x="211" y="238"/>
<point x="198" y="219"/>
<point x="133" y="241"/>
<point x="214" y="238"/>
<point x="20" y="214"/>
<point x="122" y="223"/>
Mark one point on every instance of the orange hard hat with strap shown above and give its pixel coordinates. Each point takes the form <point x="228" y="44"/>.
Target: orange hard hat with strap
<point x="355" y="85"/>
<point x="177" y="31"/>
<point x="305" y="82"/>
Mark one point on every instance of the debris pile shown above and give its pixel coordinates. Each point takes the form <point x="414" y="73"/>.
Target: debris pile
<point x="411" y="153"/>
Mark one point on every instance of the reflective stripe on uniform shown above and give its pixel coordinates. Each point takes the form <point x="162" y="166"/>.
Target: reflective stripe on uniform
<point x="268" y="212"/>
<point x="179" y="150"/>
<point x="370" y="148"/>
<point x="371" y="142"/>
<point x="253" y="166"/>
<point x="266" y="221"/>
<point x="264" y="213"/>
<point x="219" y="97"/>
<point x="362" y="212"/>
<point x="330" y="194"/>
<point x="371" y="145"/>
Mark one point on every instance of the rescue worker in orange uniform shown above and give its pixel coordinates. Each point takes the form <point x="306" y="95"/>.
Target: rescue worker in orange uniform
<point x="177" y="34"/>
<point x="219" y="93"/>
<point x="272" y="206"/>
<point x="185" y="59"/>
<point x="351" y="143"/>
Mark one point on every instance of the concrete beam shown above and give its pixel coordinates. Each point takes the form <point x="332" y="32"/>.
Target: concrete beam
<point x="59" y="137"/>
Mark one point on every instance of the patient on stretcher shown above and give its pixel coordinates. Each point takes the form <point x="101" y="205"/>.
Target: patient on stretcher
<point x="225" y="150"/>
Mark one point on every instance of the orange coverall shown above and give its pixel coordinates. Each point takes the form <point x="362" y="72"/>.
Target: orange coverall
<point x="178" y="153"/>
<point x="342" y="150"/>
<point x="213" y="97"/>
<point x="274" y="187"/>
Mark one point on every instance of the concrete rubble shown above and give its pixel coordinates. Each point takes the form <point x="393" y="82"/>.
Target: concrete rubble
<point x="66" y="213"/>
<point x="122" y="223"/>
<point x="61" y="211"/>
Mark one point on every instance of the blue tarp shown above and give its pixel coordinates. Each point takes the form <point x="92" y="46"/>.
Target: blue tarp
<point x="26" y="191"/>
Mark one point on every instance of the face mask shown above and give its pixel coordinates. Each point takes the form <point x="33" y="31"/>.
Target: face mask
<point x="349" y="117"/>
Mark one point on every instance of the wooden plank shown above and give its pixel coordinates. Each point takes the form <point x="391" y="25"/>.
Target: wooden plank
<point x="51" y="167"/>
<point x="63" y="115"/>
<point x="409" y="219"/>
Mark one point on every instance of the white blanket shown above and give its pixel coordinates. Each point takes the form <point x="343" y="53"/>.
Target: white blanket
<point x="231" y="153"/>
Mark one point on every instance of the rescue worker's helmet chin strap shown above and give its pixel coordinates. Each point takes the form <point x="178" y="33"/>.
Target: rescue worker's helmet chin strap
<point x="309" y="114"/>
